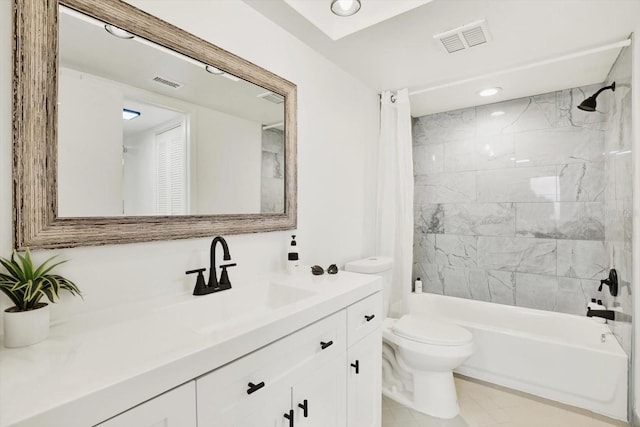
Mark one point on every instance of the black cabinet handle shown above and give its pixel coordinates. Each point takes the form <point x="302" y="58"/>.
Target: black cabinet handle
<point x="324" y="345"/>
<point x="255" y="387"/>
<point x="305" y="408"/>
<point x="357" y="366"/>
<point x="289" y="416"/>
<point x="369" y="318"/>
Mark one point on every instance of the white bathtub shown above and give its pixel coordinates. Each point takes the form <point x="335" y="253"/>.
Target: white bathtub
<point x="553" y="355"/>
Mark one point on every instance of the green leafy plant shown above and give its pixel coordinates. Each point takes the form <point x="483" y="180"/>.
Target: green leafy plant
<point x="26" y="284"/>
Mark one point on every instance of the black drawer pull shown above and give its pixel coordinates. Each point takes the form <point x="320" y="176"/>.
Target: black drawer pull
<point x="255" y="387"/>
<point x="357" y="366"/>
<point x="305" y="408"/>
<point x="369" y="318"/>
<point x="289" y="416"/>
<point x="324" y="345"/>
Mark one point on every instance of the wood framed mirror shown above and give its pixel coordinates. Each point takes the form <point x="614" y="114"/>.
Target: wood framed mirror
<point x="51" y="210"/>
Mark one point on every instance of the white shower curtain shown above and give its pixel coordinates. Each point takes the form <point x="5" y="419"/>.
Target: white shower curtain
<point x="394" y="216"/>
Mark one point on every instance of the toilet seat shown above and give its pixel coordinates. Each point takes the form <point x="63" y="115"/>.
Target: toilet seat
<point x="427" y="330"/>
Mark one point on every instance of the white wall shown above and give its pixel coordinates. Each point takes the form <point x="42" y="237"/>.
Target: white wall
<point x="90" y="152"/>
<point x="337" y="136"/>
<point x="228" y="164"/>
<point x="139" y="176"/>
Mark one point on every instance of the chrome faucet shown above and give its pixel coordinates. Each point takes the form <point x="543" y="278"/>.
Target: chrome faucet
<point x="203" y="288"/>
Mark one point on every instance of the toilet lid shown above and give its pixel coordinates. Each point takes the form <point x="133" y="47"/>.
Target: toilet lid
<point x="431" y="331"/>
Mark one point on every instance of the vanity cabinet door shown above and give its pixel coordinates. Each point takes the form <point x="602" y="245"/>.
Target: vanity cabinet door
<point x="175" y="408"/>
<point x="320" y="393"/>
<point x="365" y="381"/>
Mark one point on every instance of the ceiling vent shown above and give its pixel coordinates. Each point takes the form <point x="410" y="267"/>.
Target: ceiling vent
<point x="164" y="81"/>
<point x="272" y="97"/>
<point x="464" y="37"/>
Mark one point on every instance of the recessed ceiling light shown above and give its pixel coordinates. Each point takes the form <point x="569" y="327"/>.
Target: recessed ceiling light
<point x="118" y="32"/>
<point x="129" y="114"/>
<point x="345" y="7"/>
<point x="214" y="70"/>
<point x="497" y="113"/>
<point x="219" y="72"/>
<point x="489" y="91"/>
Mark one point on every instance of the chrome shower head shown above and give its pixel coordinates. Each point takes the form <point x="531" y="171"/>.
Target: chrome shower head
<point x="589" y="104"/>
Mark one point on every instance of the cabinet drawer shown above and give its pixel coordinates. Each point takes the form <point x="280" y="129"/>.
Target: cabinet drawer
<point x="226" y="388"/>
<point x="360" y="322"/>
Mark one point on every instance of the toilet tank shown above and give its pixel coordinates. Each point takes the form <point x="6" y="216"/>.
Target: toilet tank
<point x="380" y="266"/>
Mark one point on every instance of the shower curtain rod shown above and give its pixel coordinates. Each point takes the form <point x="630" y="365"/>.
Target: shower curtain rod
<point x="616" y="45"/>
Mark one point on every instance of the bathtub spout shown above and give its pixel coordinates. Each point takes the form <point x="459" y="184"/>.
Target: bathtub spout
<point x="605" y="314"/>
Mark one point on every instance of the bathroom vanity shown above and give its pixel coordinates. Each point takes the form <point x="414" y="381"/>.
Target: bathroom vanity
<point x="293" y="350"/>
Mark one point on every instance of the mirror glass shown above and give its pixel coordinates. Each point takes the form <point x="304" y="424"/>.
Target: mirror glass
<point x="145" y="131"/>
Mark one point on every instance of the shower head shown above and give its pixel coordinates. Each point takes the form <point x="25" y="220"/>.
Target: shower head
<point x="589" y="104"/>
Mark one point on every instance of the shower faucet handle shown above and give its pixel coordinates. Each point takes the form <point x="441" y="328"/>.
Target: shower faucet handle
<point x="612" y="282"/>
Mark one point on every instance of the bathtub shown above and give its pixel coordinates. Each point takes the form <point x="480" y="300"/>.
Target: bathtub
<point x="552" y="355"/>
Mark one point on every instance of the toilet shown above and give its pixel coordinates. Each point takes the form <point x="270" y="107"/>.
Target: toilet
<point x="419" y="352"/>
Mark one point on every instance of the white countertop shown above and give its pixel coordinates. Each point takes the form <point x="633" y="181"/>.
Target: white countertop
<point x="95" y="366"/>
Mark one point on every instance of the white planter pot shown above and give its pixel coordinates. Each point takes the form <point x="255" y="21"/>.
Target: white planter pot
<point x="23" y="328"/>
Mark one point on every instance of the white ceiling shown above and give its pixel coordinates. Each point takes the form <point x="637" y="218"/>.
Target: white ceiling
<point x="337" y="27"/>
<point x="527" y="36"/>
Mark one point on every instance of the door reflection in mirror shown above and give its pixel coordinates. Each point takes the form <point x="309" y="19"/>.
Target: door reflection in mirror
<point x="155" y="169"/>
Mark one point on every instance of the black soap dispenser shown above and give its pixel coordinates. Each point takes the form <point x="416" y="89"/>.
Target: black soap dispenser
<point x="293" y="259"/>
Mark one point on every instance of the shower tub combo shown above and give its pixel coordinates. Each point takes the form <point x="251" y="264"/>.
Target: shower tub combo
<point x="563" y="357"/>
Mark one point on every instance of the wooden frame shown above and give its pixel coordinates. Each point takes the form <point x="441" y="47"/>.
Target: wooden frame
<point x="35" y="92"/>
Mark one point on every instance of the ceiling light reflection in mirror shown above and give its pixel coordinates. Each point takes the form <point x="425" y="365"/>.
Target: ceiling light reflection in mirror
<point x="205" y="143"/>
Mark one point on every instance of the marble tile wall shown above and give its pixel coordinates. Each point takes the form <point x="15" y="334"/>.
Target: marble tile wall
<point x="511" y="208"/>
<point x="272" y="177"/>
<point x="618" y="170"/>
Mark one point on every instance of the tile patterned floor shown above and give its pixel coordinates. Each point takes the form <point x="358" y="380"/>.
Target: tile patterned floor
<point x="487" y="405"/>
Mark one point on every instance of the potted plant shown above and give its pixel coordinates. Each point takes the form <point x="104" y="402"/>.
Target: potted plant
<point x="27" y="322"/>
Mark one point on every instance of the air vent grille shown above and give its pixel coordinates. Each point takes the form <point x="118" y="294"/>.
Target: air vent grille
<point x="453" y="43"/>
<point x="164" y="81"/>
<point x="464" y="37"/>
<point x="272" y="97"/>
<point x="474" y="36"/>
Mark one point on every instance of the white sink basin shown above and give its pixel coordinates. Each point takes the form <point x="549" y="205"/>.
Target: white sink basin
<point x="223" y="312"/>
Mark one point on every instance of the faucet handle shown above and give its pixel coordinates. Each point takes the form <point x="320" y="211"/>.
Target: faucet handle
<point x="224" y="277"/>
<point x="612" y="282"/>
<point x="233" y="264"/>
<point x="201" y="286"/>
<point x="603" y="282"/>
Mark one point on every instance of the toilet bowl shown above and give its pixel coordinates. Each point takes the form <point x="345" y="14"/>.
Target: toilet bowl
<point x="420" y="352"/>
<point x="429" y="349"/>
